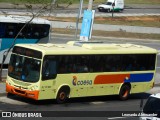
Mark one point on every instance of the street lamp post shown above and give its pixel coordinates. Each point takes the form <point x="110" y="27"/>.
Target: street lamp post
<point x="54" y="1"/>
<point x="90" y="4"/>
<point x="79" y="13"/>
<point x="113" y="4"/>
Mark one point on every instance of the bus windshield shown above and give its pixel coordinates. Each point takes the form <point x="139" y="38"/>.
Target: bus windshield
<point x="152" y="106"/>
<point x="24" y="68"/>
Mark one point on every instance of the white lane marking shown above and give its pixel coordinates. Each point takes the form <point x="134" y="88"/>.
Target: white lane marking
<point x="96" y="103"/>
<point x="114" y="118"/>
<point x="158" y="52"/>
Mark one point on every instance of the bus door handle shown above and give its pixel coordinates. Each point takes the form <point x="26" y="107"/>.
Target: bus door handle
<point x="101" y="87"/>
<point x="111" y="86"/>
<point x="81" y="88"/>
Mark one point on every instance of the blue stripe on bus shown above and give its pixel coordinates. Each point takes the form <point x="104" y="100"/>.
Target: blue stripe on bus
<point x="7" y="42"/>
<point x="142" y="77"/>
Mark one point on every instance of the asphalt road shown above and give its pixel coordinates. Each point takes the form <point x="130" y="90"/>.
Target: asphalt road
<point x="104" y="107"/>
<point x="74" y="11"/>
<point x="126" y="11"/>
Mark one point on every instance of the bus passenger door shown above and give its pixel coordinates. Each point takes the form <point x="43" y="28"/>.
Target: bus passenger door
<point x="49" y="75"/>
<point x="47" y="89"/>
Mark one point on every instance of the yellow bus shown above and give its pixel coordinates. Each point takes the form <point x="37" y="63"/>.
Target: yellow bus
<point x="80" y="69"/>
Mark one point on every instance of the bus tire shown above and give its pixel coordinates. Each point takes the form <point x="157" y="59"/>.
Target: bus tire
<point x="124" y="92"/>
<point x="62" y="95"/>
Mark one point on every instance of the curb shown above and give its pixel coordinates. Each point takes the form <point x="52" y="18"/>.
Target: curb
<point x="109" y="38"/>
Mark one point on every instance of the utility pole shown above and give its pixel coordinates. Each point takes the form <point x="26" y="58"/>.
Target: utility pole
<point x="113" y="4"/>
<point x="78" y="16"/>
<point x="90" y="4"/>
<point x="54" y="1"/>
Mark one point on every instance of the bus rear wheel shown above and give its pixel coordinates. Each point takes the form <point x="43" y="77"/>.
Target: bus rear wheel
<point x="124" y="92"/>
<point x="62" y="95"/>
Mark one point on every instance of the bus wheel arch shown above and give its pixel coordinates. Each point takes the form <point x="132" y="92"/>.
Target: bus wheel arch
<point x="124" y="91"/>
<point x="63" y="94"/>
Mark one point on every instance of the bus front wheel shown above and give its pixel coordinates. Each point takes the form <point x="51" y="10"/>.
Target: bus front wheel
<point x="62" y="95"/>
<point x="124" y="92"/>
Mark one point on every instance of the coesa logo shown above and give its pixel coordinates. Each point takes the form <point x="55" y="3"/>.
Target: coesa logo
<point x="74" y="82"/>
<point x="81" y="82"/>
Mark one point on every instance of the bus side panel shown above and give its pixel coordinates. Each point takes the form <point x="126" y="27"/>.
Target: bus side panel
<point x="141" y="82"/>
<point x="50" y="88"/>
<point x="95" y="84"/>
<point x="47" y="89"/>
<point x="141" y="87"/>
<point x="78" y="83"/>
<point x="7" y="42"/>
<point x="108" y="84"/>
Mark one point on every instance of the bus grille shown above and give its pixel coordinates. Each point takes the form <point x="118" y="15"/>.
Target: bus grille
<point x="19" y="91"/>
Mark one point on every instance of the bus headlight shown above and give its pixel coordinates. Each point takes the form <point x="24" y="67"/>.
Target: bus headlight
<point x="9" y="83"/>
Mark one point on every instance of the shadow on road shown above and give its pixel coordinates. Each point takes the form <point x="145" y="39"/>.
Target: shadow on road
<point x="82" y="100"/>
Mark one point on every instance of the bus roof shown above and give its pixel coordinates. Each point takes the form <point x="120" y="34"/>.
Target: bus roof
<point x="22" y="19"/>
<point x="89" y="48"/>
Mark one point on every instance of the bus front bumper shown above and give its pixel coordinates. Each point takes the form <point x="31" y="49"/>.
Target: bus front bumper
<point x="24" y="93"/>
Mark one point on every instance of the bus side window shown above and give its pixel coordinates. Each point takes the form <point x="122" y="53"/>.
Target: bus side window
<point x="2" y="29"/>
<point x="49" y="69"/>
<point x="10" y="31"/>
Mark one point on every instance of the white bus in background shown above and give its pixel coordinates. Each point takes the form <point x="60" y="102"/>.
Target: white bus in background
<point x="37" y="31"/>
<point x="117" y="5"/>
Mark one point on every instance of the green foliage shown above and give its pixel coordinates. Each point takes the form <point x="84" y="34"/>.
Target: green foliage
<point x="36" y="1"/>
<point x="142" y="1"/>
<point x="67" y="1"/>
<point x="26" y="1"/>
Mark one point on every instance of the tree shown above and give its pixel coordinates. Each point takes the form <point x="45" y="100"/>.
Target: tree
<point x="29" y="7"/>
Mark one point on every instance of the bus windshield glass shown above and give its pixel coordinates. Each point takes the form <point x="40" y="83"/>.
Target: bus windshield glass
<point x="24" y="68"/>
<point x="152" y="106"/>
